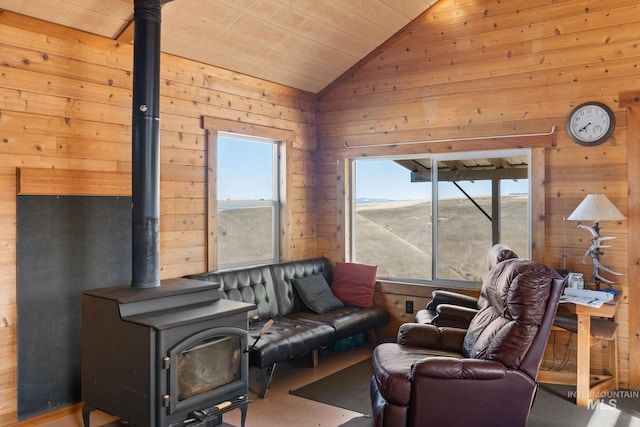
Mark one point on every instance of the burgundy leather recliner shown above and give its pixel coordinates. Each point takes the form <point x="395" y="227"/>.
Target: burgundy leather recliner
<point x="483" y="376"/>
<point x="454" y="309"/>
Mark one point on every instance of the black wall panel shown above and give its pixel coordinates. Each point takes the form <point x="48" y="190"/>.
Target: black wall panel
<point x="65" y="245"/>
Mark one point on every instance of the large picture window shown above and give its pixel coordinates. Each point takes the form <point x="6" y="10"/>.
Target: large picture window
<point x="248" y="201"/>
<point x="479" y="199"/>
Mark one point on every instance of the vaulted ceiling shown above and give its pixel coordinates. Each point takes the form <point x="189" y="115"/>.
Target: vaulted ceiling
<point x="305" y="44"/>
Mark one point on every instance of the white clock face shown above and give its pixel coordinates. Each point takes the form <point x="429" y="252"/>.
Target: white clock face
<point x="589" y="123"/>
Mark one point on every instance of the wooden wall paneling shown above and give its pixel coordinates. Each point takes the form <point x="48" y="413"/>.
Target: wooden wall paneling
<point x="180" y="255"/>
<point x="517" y="51"/>
<point x="34" y="82"/>
<point x="284" y="100"/>
<point x="415" y="98"/>
<point x="590" y="184"/>
<point x="115" y="152"/>
<point x="462" y="79"/>
<point x="8" y="307"/>
<point x="419" y="107"/>
<point x="416" y="107"/>
<point x="525" y="78"/>
<point x="9" y="381"/>
<point x="434" y="140"/>
<point x="66" y="108"/>
<point x="616" y="172"/>
<point x="572" y="164"/>
<point x="485" y="72"/>
<point x="631" y="102"/>
<point x="225" y="106"/>
<point x="36" y="162"/>
<point x="463" y="32"/>
<point x="537" y="203"/>
<point x="298" y="225"/>
<point x="40" y="144"/>
<point x="7" y="264"/>
<point x="329" y="183"/>
<point x="55" y="182"/>
<point x="68" y="128"/>
<point x="232" y="96"/>
<point x="565" y="191"/>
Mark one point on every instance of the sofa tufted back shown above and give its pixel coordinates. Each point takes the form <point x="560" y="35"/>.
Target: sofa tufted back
<point x="516" y="293"/>
<point x="253" y="285"/>
<point x="283" y="275"/>
<point x="269" y="287"/>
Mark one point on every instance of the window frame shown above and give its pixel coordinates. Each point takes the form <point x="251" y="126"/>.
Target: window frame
<point x="274" y="202"/>
<point x="213" y="127"/>
<point x="532" y="208"/>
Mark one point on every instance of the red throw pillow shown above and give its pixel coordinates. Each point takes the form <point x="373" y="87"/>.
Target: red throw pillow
<point x="354" y="283"/>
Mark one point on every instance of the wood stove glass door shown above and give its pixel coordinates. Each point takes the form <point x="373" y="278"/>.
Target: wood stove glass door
<point x="210" y="367"/>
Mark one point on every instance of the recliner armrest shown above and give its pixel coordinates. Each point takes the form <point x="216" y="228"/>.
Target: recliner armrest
<point x="447" y="297"/>
<point x="453" y="316"/>
<point x="431" y="336"/>
<point x="451" y="368"/>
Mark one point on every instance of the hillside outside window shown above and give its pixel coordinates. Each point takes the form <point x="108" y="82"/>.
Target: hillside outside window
<point x="248" y="202"/>
<point x="479" y="199"/>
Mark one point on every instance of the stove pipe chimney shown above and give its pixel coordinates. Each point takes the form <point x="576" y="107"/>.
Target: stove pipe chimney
<point x="146" y="145"/>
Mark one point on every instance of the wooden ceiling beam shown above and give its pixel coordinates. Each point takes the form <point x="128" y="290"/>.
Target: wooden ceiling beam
<point x="126" y="33"/>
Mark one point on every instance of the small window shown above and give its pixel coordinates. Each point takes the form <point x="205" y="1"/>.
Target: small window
<point x="248" y="202"/>
<point x="479" y="199"/>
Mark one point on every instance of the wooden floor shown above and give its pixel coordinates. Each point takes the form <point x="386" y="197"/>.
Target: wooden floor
<point x="278" y="409"/>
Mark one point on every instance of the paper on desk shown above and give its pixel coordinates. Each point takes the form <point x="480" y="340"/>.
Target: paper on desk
<point x="585" y="297"/>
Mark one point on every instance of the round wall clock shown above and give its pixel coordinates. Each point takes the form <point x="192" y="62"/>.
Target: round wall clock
<point x="591" y="124"/>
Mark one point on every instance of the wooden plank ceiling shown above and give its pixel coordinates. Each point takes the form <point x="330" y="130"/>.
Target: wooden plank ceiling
<point x="305" y="44"/>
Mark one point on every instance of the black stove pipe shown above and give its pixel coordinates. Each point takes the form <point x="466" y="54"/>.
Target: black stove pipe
<point x="146" y="145"/>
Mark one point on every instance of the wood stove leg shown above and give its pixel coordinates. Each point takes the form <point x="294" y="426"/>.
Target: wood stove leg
<point x="86" y="414"/>
<point x="267" y="380"/>
<point x="243" y="417"/>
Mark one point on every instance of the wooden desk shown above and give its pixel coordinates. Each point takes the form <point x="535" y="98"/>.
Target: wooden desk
<point x="588" y="387"/>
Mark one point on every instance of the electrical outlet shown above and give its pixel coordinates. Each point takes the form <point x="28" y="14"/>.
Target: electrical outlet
<point x="409" y="306"/>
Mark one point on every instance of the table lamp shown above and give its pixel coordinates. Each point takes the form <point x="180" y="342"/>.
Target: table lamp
<point x="596" y="208"/>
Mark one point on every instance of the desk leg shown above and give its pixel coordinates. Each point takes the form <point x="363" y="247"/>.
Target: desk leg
<point x="583" y="361"/>
<point x="613" y="360"/>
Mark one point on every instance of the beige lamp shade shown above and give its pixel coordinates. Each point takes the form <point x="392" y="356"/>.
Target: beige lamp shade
<point x="596" y="208"/>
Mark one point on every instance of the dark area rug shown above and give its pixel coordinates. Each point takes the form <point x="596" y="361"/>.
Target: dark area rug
<point x="347" y="389"/>
<point x="554" y="405"/>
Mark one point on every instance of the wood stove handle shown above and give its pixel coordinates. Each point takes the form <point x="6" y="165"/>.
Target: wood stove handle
<point x="203" y="414"/>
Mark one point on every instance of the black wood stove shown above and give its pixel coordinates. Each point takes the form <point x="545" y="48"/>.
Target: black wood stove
<point x="159" y="353"/>
<point x="173" y="355"/>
